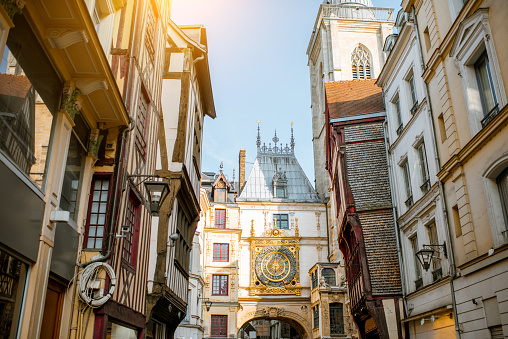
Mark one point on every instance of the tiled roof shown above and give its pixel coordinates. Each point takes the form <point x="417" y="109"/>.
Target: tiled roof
<point x="14" y="85"/>
<point x="352" y="97"/>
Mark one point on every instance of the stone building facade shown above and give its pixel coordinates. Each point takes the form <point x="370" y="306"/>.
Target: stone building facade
<point x="362" y="206"/>
<point x="465" y="67"/>
<point x="274" y="231"/>
<point x="416" y="190"/>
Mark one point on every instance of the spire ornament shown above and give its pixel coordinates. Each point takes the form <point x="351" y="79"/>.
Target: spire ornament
<point x="292" y="139"/>
<point x="221" y="166"/>
<point x="258" y="142"/>
<point x="275" y="138"/>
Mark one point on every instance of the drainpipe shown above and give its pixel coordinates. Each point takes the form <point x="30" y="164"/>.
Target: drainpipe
<point x="441" y="190"/>
<point x="327" y="229"/>
<point x="394" y="212"/>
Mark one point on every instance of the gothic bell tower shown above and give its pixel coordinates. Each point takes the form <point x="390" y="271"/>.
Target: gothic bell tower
<point x="346" y="44"/>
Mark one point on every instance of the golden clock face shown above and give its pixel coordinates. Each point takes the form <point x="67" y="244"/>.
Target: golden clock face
<point x="275" y="266"/>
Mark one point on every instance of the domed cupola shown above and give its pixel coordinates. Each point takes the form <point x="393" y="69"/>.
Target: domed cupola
<point x="367" y="3"/>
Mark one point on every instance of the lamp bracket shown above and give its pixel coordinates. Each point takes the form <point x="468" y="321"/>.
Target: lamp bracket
<point x="438" y="248"/>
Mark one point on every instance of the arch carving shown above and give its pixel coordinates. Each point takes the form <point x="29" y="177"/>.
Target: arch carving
<point x="247" y="314"/>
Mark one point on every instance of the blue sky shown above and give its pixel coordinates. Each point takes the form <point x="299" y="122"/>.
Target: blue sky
<point x="258" y="65"/>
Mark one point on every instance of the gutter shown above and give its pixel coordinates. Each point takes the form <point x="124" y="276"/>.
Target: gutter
<point x="441" y="190"/>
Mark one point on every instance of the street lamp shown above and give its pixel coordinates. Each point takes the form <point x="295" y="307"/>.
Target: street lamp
<point x="158" y="191"/>
<point x="426" y="254"/>
<point x="208" y="303"/>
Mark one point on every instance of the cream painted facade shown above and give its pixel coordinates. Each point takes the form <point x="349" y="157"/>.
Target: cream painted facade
<point x="418" y="201"/>
<point x="465" y="58"/>
<point x="341" y="27"/>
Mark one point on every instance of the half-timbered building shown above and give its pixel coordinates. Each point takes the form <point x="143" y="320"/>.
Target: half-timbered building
<point x="187" y="100"/>
<point x="362" y="206"/>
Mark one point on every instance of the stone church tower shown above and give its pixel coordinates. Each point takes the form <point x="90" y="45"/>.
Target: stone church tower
<point x="346" y="44"/>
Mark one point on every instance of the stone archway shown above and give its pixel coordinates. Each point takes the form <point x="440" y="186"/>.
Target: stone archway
<point x="295" y="315"/>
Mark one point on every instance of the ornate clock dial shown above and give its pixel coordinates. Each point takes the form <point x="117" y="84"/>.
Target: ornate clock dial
<point x="275" y="266"/>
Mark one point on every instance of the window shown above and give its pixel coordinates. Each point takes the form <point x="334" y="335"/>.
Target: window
<point x="315" y="313"/>
<point x="72" y="180"/>
<point x="220" y="252"/>
<point x="281" y="221"/>
<point x="314" y="279"/>
<point x="475" y="56"/>
<point x="220" y="218"/>
<point x="442" y="128"/>
<point x="30" y="93"/>
<point x="184" y="242"/>
<point x="456" y="221"/>
<point x="132" y="214"/>
<point x="412" y="90"/>
<point x="360" y="63"/>
<point x="436" y="260"/>
<point x="502" y="184"/>
<point x="486" y="87"/>
<point x="142" y="121"/>
<point x="336" y="319"/>
<point x="426" y="37"/>
<point x="97" y="212"/>
<point x="220" y="195"/>
<point x="329" y="275"/>
<point x="280" y="192"/>
<point x="407" y="184"/>
<point x="220" y="284"/>
<point x="418" y="270"/>
<point x="399" y="124"/>
<point x="151" y="22"/>
<point x="219" y="326"/>
<point x="424" y="171"/>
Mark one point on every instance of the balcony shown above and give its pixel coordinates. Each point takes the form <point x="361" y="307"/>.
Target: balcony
<point x="414" y="108"/>
<point x="418" y="283"/>
<point x="425" y="186"/>
<point x="400" y="128"/>
<point x="491" y="115"/>
<point x="409" y="201"/>
<point x="355" y="13"/>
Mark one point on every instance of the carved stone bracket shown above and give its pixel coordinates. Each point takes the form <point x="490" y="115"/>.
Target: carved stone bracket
<point x="63" y="38"/>
<point x="87" y="86"/>
<point x="95" y="143"/>
<point x="13" y="7"/>
<point x="70" y="102"/>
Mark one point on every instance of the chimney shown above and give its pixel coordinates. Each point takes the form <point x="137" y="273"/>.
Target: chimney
<point x="241" y="161"/>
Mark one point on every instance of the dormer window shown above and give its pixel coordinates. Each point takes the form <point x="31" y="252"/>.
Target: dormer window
<point x="220" y="192"/>
<point x="280" y="185"/>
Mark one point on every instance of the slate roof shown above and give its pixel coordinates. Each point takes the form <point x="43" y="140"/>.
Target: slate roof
<point x="352" y="97"/>
<point x="259" y="185"/>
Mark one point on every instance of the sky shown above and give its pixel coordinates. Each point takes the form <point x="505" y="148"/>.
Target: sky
<point x="258" y="67"/>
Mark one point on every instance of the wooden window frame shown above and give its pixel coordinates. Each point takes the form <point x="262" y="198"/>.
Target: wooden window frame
<point x="217" y="280"/>
<point x="220" y="221"/>
<point x="221" y="248"/>
<point x="97" y="177"/>
<point x="216" y="330"/>
<point x="142" y="121"/>
<point x="132" y="218"/>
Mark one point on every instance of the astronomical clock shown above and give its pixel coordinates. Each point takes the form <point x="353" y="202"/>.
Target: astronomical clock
<point x="275" y="263"/>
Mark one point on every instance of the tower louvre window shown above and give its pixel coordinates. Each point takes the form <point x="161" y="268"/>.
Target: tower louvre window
<point x="360" y="63"/>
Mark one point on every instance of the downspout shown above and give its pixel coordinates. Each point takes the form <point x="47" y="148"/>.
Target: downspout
<point x="441" y="190"/>
<point x="327" y="227"/>
<point x="111" y="234"/>
<point x="394" y="213"/>
<point x="127" y="93"/>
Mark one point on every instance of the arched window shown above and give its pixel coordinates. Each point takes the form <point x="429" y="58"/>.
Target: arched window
<point x="360" y="63"/>
<point x="329" y="275"/>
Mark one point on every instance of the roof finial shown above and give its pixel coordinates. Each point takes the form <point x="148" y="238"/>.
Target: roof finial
<point x="275" y="138"/>
<point x="258" y="142"/>
<point x="233" y="175"/>
<point x="292" y="139"/>
<point x="221" y="167"/>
